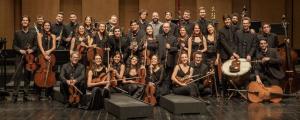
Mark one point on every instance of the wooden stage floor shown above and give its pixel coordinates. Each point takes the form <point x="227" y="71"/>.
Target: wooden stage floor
<point x="234" y="109"/>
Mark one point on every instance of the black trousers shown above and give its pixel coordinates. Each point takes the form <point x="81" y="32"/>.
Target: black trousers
<point x="64" y="89"/>
<point x="135" y="90"/>
<point x="22" y="74"/>
<point x="190" y="90"/>
<point x="97" y="100"/>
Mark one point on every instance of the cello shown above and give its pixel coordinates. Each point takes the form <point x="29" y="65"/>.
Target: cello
<point x="45" y="76"/>
<point x="258" y="93"/>
<point x="288" y="57"/>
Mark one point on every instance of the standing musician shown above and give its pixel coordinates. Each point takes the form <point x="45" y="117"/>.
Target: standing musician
<point x="47" y="44"/>
<point x="156" y="86"/>
<point x="202" y="21"/>
<point x="80" y="43"/>
<point x="135" y="33"/>
<point x="167" y="48"/>
<point x="117" y="42"/>
<point x="38" y="25"/>
<point x="200" y="69"/>
<point x="173" y="26"/>
<point x="149" y="42"/>
<point x="72" y="74"/>
<point x="24" y="43"/>
<point x="268" y="71"/>
<point x="186" y="22"/>
<point x="235" y="22"/>
<point x="247" y="41"/>
<point x="181" y="76"/>
<point x="100" y="40"/>
<point x="70" y="30"/>
<point x="197" y="41"/>
<point x="132" y="78"/>
<point x="143" y="23"/>
<point x="98" y="83"/>
<point x="112" y="23"/>
<point x="183" y="39"/>
<point x="155" y="23"/>
<point x="272" y="38"/>
<point x="88" y="25"/>
<point x="212" y="53"/>
<point x="57" y="30"/>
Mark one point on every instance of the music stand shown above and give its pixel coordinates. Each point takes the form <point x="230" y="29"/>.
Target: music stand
<point x="256" y="25"/>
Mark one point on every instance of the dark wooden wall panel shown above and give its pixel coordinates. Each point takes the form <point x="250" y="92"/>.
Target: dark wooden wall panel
<point x="296" y="23"/>
<point x="160" y="6"/>
<point x="69" y="6"/>
<point x="7" y="20"/>
<point x="128" y="10"/>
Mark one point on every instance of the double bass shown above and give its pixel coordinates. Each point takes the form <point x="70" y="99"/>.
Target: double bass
<point x="258" y="93"/>
<point x="288" y="57"/>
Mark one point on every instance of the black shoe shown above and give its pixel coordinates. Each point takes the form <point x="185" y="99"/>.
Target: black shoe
<point x="14" y="98"/>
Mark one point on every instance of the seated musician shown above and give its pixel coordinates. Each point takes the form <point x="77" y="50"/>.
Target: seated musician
<point x="98" y="83"/>
<point x="131" y="81"/>
<point x="72" y="74"/>
<point x="200" y="68"/>
<point x="156" y="79"/>
<point x="268" y="71"/>
<point x="119" y="68"/>
<point x="181" y="78"/>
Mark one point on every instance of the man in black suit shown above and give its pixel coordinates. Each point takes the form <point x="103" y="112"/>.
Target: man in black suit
<point x="268" y="71"/>
<point x="271" y="37"/>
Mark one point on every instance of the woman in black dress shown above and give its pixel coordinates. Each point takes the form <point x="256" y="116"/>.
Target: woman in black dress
<point x="156" y="79"/>
<point x="132" y="77"/>
<point x="196" y="42"/>
<point x="183" y="71"/>
<point x="98" y="83"/>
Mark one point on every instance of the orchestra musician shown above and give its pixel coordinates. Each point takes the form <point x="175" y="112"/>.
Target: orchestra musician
<point x="98" y="83"/>
<point x="202" y="22"/>
<point x="112" y="23"/>
<point x="100" y="41"/>
<point x="155" y="23"/>
<point x="143" y="23"/>
<point x="24" y="43"/>
<point x="72" y="74"/>
<point x="47" y="44"/>
<point x="149" y="41"/>
<point x="88" y="25"/>
<point x="182" y="39"/>
<point x="181" y="77"/>
<point x="268" y="71"/>
<point x="186" y="22"/>
<point x="272" y="38"/>
<point x="197" y="41"/>
<point x="132" y="75"/>
<point x="57" y="30"/>
<point x="70" y="30"/>
<point x="173" y="26"/>
<point x="117" y="42"/>
<point x="118" y="67"/>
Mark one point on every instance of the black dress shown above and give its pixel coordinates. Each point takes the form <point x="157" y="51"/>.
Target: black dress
<point x="99" y="93"/>
<point x="133" y="89"/>
<point x="161" y="83"/>
<point x="190" y="89"/>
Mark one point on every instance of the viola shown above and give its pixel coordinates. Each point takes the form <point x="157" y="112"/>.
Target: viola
<point x="149" y="97"/>
<point x="74" y="97"/>
<point x="30" y="65"/>
<point x="45" y="76"/>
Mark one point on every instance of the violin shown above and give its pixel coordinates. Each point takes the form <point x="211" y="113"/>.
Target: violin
<point x="149" y="97"/>
<point x="113" y="80"/>
<point x="45" y="76"/>
<point x="74" y="97"/>
<point x="81" y="48"/>
<point x="258" y="93"/>
<point x="183" y="80"/>
<point x="30" y="65"/>
<point x="102" y="77"/>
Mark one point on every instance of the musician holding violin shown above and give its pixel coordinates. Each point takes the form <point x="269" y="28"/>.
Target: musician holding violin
<point x="118" y="68"/>
<point x="200" y="69"/>
<point x="182" y="76"/>
<point x="100" y="41"/>
<point x="156" y="84"/>
<point x="25" y="44"/>
<point x="72" y="75"/>
<point x="98" y="82"/>
<point x="133" y="81"/>
<point x="149" y="45"/>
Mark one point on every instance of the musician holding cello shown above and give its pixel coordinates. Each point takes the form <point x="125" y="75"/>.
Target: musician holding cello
<point x="72" y="75"/>
<point x="44" y="76"/>
<point x="98" y="82"/>
<point x="24" y="44"/>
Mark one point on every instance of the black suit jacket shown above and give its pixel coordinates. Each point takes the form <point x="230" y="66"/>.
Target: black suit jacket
<point x="163" y="39"/>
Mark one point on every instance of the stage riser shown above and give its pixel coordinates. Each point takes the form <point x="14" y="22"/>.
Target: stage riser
<point x="178" y="104"/>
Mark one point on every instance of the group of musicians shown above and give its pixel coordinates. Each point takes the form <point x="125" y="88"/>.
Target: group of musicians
<point x="153" y="59"/>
